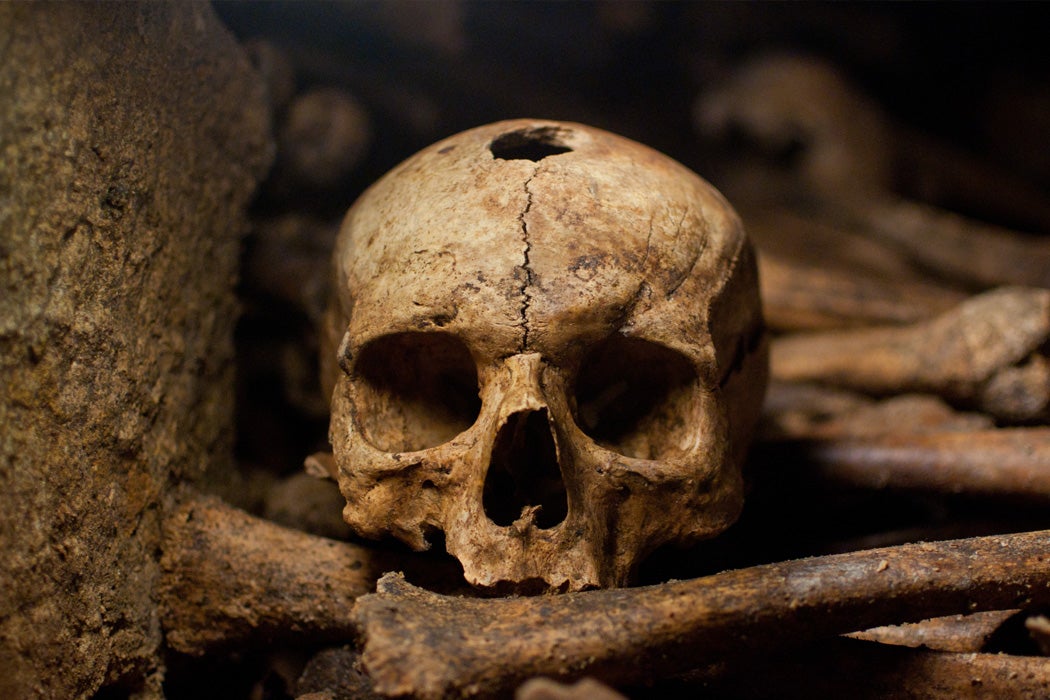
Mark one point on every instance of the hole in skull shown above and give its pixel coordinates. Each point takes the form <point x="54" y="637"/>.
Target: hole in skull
<point x="524" y="473"/>
<point x="637" y="398"/>
<point x="414" y="390"/>
<point x="528" y="144"/>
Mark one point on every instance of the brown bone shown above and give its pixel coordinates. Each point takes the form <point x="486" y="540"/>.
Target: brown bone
<point x="852" y="668"/>
<point x="960" y="633"/>
<point x="433" y="646"/>
<point x="230" y="579"/>
<point x="1009" y="461"/>
<point x="851" y="157"/>
<point x="797" y="296"/>
<point x="809" y="411"/>
<point x="991" y="338"/>
<point x="951" y="246"/>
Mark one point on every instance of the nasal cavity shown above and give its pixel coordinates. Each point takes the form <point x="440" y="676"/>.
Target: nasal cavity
<point x="524" y="473"/>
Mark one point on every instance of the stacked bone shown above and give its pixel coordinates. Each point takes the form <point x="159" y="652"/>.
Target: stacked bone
<point x="910" y="357"/>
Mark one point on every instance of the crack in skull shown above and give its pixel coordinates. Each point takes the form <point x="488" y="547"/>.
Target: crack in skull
<point x="567" y="419"/>
<point x="526" y="293"/>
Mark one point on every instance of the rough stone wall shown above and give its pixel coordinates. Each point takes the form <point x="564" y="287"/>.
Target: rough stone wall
<point x="131" y="139"/>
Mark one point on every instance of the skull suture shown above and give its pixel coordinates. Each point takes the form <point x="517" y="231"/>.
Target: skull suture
<point x="546" y="341"/>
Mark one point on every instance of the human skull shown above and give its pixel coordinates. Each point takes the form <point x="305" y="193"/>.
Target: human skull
<point x="545" y="341"/>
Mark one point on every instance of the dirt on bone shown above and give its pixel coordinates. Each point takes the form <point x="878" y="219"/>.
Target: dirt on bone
<point x="615" y="345"/>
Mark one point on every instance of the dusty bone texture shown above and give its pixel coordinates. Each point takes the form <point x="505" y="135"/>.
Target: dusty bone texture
<point x="131" y="139"/>
<point x="958" y="633"/>
<point x="230" y="580"/>
<point x="551" y="349"/>
<point x="851" y="668"/>
<point x="432" y="646"/>
<point x="988" y="353"/>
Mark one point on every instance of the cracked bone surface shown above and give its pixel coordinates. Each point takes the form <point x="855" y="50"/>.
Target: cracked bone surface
<point x="546" y="342"/>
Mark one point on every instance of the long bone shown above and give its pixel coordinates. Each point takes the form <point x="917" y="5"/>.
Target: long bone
<point x="231" y="580"/>
<point x="951" y="246"/>
<point x="986" y="352"/>
<point x="799" y="296"/>
<point x="859" y="670"/>
<point x="1003" y="462"/>
<point x="433" y="646"/>
<point x="807" y="411"/>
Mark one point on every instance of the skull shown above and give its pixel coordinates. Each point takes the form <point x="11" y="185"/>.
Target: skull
<point x="544" y="341"/>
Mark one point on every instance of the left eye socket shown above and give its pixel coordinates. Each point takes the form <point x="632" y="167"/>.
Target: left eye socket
<point x="637" y="398"/>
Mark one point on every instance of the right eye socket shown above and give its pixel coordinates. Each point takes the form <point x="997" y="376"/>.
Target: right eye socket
<point x="414" y="390"/>
<point x="637" y="398"/>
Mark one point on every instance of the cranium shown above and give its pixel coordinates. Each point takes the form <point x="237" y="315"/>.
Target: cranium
<point x="545" y="341"/>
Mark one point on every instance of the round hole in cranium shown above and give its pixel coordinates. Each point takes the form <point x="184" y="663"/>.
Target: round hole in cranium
<point x="636" y="398"/>
<point x="528" y="144"/>
<point x="414" y="390"/>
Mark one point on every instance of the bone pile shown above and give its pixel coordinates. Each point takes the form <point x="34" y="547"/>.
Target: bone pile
<point x="546" y="347"/>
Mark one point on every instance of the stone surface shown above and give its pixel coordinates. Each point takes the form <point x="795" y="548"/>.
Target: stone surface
<point x="131" y="140"/>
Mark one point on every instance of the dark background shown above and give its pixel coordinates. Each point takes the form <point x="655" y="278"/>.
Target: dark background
<point x="977" y="74"/>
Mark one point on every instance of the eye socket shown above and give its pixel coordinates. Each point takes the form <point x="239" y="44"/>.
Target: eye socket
<point x="414" y="390"/>
<point x="636" y="398"/>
